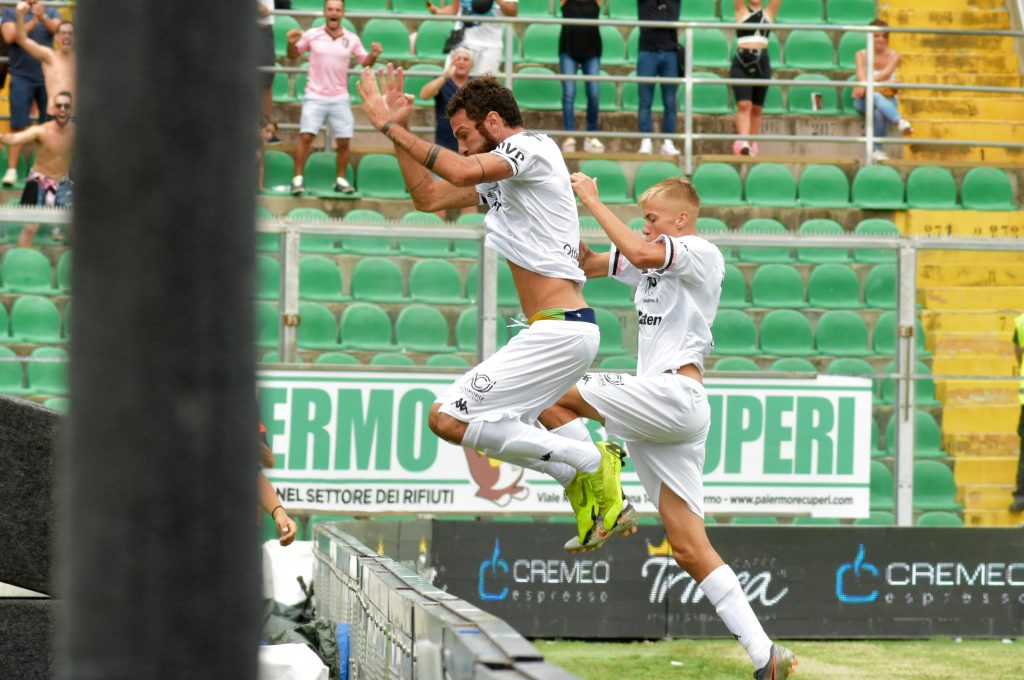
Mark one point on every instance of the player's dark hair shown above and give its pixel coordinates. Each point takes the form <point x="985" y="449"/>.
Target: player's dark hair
<point x="482" y="95"/>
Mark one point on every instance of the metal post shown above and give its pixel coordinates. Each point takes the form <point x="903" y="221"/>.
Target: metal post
<point x="688" y="103"/>
<point x="904" y="409"/>
<point x="159" y="556"/>
<point x="869" y="100"/>
<point x="509" y="34"/>
<point x="287" y="333"/>
<point x="487" y="294"/>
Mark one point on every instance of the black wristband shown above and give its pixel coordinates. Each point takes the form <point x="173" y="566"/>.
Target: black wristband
<point x="384" y="128"/>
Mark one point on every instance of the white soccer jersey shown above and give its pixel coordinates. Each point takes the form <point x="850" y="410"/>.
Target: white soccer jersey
<point x="532" y="219"/>
<point x="676" y="304"/>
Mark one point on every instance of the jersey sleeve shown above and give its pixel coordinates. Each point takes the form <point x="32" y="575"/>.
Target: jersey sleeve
<point x="691" y="258"/>
<point x="358" y="51"/>
<point x="620" y="269"/>
<point x="303" y="43"/>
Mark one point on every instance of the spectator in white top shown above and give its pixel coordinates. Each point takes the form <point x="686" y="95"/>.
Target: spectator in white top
<point x="885" y="101"/>
<point x="482" y="39"/>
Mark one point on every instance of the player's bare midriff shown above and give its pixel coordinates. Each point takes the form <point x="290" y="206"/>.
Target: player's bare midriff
<point x="537" y="292"/>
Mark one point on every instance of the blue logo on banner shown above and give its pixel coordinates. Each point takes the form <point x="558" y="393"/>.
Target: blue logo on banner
<point x="491" y="567"/>
<point x="851" y="574"/>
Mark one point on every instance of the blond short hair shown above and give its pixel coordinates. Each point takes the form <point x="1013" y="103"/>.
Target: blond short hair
<point x="673" y="189"/>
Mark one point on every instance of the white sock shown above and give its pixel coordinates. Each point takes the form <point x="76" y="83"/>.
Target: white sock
<point x="574" y="429"/>
<point x="723" y="590"/>
<point x="518" y="443"/>
<point x="562" y="473"/>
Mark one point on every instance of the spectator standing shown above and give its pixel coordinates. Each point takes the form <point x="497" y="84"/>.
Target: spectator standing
<point x="266" y="56"/>
<point x="658" y="55"/>
<point x="482" y="39"/>
<point x="1018" y="348"/>
<point x="330" y="48"/>
<point x="579" y="49"/>
<point x="443" y="88"/>
<point x="886" y="103"/>
<point x="26" y="73"/>
<point x="58" y="63"/>
<point x="751" y="61"/>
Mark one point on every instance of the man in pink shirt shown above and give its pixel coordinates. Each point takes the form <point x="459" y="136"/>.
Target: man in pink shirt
<point x="331" y="49"/>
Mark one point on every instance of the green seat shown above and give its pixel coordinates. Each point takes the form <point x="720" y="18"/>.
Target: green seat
<point x="771" y="184"/>
<point x="466" y="330"/>
<point x="876" y="452"/>
<point x="822" y="227"/>
<point x="280" y="89"/>
<point x="448" y="361"/>
<point x="736" y="364"/>
<point x="815" y="521"/>
<point x="793" y="365"/>
<point x="622" y="9"/>
<point x="12" y="378"/>
<point x="850" y="12"/>
<point x="779" y="286"/>
<point x="880" y="288"/>
<point x="621" y="362"/>
<point x="802" y="97"/>
<point x="468" y="247"/>
<point x="47" y="377"/>
<point x="318" y="328"/>
<point x="365" y="326"/>
<point x="507" y="296"/>
<point x="390" y="33"/>
<point x="876" y="227"/>
<point x="612" y="186"/>
<point x="64" y="272"/>
<point x="607" y="97"/>
<point x="809" y="49"/>
<point x="698" y="10"/>
<point x="631" y="91"/>
<point x="378" y="176"/>
<point x="785" y="332"/>
<point x="273" y="357"/>
<point x="883" y="337"/>
<point x="842" y="333"/>
<point x="337" y="359"/>
<point x="855" y="367"/>
<point x="709" y="98"/>
<point x="801" y="12"/>
<point x="734" y="289"/>
<point x="391" y="359"/>
<point x="538" y="95"/>
<point x="540" y="43"/>
<point x="755" y="520"/>
<point x="632" y="50"/>
<point x="847" y="99"/>
<point x="773" y="101"/>
<point x="613" y="48"/>
<point x="611" y="333"/>
<point x="267" y="320"/>
<point x="365" y="245"/>
<point x="320" y="279"/>
<point x="710" y="48"/>
<point x="939" y="518"/>
<point x="824" y="186"/>
<point x="927" y="435"/>
<point x="5" y="325"/>
<point x="376" y="279"/>
<point x="321" y="172"/>
<point x="310" y="242"/>
<point x="267" y="242"/>
<point x="930" y="188"/>
<point x="430" y="39"/>
<point x="423" y="247"/>
<point x="407" y="7"/>
<point x="278" y="170"/>
<point x="534" y="8"/>
<point x="987" y="189"/>
<point x="734" y="333"/>
<point x="607" y="292"/>
<point x="420" y="328"/>
<point x="877" y="518"/>
<point x="650" y="173"/>
<point x="718" y="184"/>
<point x="760" y="254"/>
<point x="834" y="286"/>
<point x="282" y="24"/>
<point x="934" y="486"/>
<point x="881" y="487"/>
<point x="268" y="278"/>
<point x="36" y="320"/>
<point x="436" y="282"/>
<point x="878" y="187"/>
<point x="26" y="270"/>
<point x="851" y="43"/>
<point x="708" y="225"/>
<point x="924" y="388"/>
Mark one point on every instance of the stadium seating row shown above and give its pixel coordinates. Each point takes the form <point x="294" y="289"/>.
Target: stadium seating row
<point x="39" y="377"/>
<point x="934" y="486"/>
<point x="26" y="270"/>
<point x="829" y="286"/>
<point x="34" y="320"/>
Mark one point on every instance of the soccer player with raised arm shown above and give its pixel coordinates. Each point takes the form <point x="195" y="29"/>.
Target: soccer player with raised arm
<point x="662" y="413"/>
<point x="532" y="221"/>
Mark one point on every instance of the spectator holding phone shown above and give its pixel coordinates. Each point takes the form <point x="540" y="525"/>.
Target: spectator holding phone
<point x="751" y="61"/>
<point x="886" y="104"/>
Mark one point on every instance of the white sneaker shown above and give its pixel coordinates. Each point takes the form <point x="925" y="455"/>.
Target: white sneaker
<point x="569" y="145"/>
<point x="341" y="186"/>
<point x="297" y="185"/>
<point x="669" y="149"/>
<point x="878" y="156"/>
<point x="646" y="146"/>
<point x="905" y="127"/>
<point x="10" y="177"/>
<point x="593" y="145"/>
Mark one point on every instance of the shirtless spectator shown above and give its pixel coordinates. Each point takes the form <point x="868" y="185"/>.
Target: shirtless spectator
<point x="48" y="183"/>
<point x="27" y="82"/>
<point x="58" y="63"/>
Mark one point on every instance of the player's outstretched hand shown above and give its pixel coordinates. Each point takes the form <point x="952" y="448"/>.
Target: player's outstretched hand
<point x="584" y="186"/>
<point x="385" y="100"/>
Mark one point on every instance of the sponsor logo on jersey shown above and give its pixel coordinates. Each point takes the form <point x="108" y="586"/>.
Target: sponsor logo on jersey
<point x="481" y="382"/>
<point x="648" y="319"/>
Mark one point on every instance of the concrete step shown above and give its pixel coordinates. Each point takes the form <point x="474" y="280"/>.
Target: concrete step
<point x="916" y="107"/>
<point x="992" y="518"/>
<point x="987" y="496"/>
<point x="950" y="5"/>
<point x="985" y="470"/>
<point x="968" y="321"/>
<point x="937" y="155"/>
<point x="980" y="418"/>
<point x="972" y="366"/>
<point x="924" y="42"/>
<point x="960" y="62"/>
<point x="986" y="345"/>
<point x="963" y="223"/>
<point x="963" y="445"/>
<point x="971" y="129"/>
<point x="966" y="19"/>
<point x="938" y="275"/>
<point x="977" y="392"/>
<point x="983" y="79"/>
<point x="965" y="297"/>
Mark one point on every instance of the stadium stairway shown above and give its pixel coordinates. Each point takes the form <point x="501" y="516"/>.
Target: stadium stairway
<point x="953" y="60"/>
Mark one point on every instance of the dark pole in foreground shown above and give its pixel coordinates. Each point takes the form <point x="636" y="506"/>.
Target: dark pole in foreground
<point x="158" y="560"/>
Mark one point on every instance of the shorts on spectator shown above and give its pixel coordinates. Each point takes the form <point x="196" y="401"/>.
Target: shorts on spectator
<point x="58" y="195"/>
<point x="23" y="93"/>
<point x="267" y="56"/>
<point x="337" y="112"/>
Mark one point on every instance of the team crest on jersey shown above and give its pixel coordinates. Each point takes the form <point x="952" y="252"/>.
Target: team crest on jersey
<point x="481" y="382"/>
<point x="613" y="379"/>
<point x="652" y="283"/>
